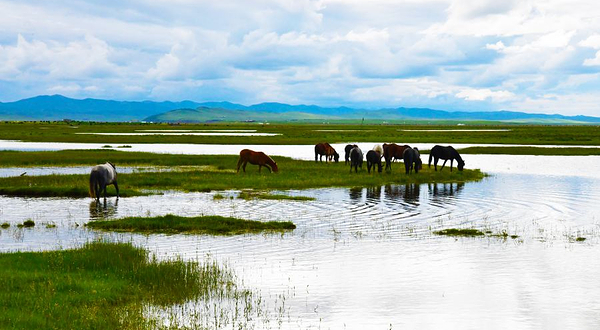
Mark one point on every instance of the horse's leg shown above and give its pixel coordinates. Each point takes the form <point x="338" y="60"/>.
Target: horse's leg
<point x="97" y="190"/>
<point x="269" y="168"/>
<point x="451" y="161"/>
<point x="435" y="161"/>
<point x="244" y="166"/>
<point x="240" y="161"/>
<point x="104" y="189"/>
<point x="117" y="187"/>
<point x="259" y="168"/>
<point x="445" y="160"/>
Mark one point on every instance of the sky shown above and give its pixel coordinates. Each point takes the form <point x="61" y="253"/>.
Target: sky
<point x="484" y="55"/>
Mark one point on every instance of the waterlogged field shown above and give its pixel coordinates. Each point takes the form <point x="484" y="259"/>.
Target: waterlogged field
<point x="290" y="134"/>
<point x="516" y="249"/>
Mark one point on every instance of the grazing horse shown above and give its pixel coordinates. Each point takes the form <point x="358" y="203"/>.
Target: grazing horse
<point x="325" y="149"/>
<point x="392" y="151"/>
<point x="102" y="176"/>
<point x="256" y="158"/>
<point x="373" y="157"/>
<point x="356" y="159"/>
<point x="445" y="153"/>
<point x="347" y="149"/>
<point x="412" y="156"/>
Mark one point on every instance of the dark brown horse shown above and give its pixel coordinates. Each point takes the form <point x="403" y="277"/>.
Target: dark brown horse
<point x="445" y="153"/>
<point x="256" y="158"/>
<point x="392" y="151"/>
<point x="325" y="149"/>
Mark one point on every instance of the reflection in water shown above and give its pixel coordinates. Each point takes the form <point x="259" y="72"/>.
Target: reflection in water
<point x="443" y="190"/>
<point x="103" y="209"/>
<point x="355" y="193"/>
<point x="410" y="193"/>
<point x="374" y="193"/>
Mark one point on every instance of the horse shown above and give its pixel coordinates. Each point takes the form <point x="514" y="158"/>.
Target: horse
<point x="412" y="156"/>
<point x="373" y="157"/>
<point x="325" y="149"/>
<point x="256" y="158"/>
<point x="445" y="153"/>
<point x="102" y="176"/>
<point x="347" y="149"/>
<point x="391" y="151"/>
<point x="356" y="159"/>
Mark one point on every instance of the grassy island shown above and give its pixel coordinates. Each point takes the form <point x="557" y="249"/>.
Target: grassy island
<point x="211" y="172"/>
<point x="171" y="224"/>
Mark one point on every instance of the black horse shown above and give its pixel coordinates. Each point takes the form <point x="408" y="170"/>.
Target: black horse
<point x="412" y="159"/>
<point x="445" y="153"/>
<point x="373" y="157"/>
<point x="347" y="149"/>
<point x="356" y="159"/>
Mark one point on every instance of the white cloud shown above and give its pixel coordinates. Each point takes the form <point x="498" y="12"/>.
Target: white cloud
<point x="458" y="54"/>
<point x="485" y="94"/>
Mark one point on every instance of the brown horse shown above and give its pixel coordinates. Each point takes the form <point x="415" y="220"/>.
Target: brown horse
<point x="324" y="149"/>
<point x="392" y="151"/>
<point x="256" y="158"/>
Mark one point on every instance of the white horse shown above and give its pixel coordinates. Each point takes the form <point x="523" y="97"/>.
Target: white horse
<point x="378" y="149"/>
<point x="100" y="177"/>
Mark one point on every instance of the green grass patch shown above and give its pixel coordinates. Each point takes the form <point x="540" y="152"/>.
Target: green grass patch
<point x="5" y="225"/>
<point x="247" y="195"/>
<point x="532" y="151"/>
<point x="214" y="225"/>
<point x="469" y="232"/>
<point x="97" y="286"/>
<point x="218" y="173"/>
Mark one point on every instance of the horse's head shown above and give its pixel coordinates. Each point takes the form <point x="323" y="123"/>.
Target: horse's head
<point x="274" y="167"/>
<point x="336" y="156"/>
<point x="461" y="165"/>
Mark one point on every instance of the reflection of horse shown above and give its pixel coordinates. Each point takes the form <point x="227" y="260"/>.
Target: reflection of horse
<point x="445" y="153"/>
<point x="256" y="158"/>
<point x="445" y="189"/>
<point x="373" y="157"/>
<point x="392" y="151"/>
<point x="374" y="192"/>
<point x="102" y="176"/>
<point x="102" y="210"/>
<point x="347" y="149"/>
<point x="355" y="193"/>
<point x="412" y="156"/>
<point x="325" y="149"/>
<point x="412" y="192"/>
<point x="356" y="159"/>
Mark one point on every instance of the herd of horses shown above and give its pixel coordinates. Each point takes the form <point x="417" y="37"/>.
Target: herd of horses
<point x="106" y="174"/>
<point x="390" y="152"/>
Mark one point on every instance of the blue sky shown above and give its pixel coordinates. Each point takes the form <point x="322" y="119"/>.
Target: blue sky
<point x="532" y="56"/>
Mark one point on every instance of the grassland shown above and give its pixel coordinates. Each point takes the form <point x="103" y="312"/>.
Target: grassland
<point x="304" y="133"/>
<point x="218" y="173"/>
<point x="171" y="224"/>
<point x="98" y="286"/>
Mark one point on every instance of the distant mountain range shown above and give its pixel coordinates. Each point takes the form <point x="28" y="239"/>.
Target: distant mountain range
<point x="57" y="107"/>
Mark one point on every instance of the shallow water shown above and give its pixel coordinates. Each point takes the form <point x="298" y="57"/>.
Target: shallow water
<point x="367" y="258"/>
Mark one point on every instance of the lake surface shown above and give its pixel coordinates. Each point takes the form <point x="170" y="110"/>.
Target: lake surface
<point x="367" y="258"/>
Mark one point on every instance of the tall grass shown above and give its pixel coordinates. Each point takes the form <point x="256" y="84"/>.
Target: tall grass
<point x="98" y="286"/>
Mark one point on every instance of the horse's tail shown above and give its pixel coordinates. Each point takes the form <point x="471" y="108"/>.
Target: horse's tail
<point x="93" y="183"/>
<point x="239" y="163"/>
